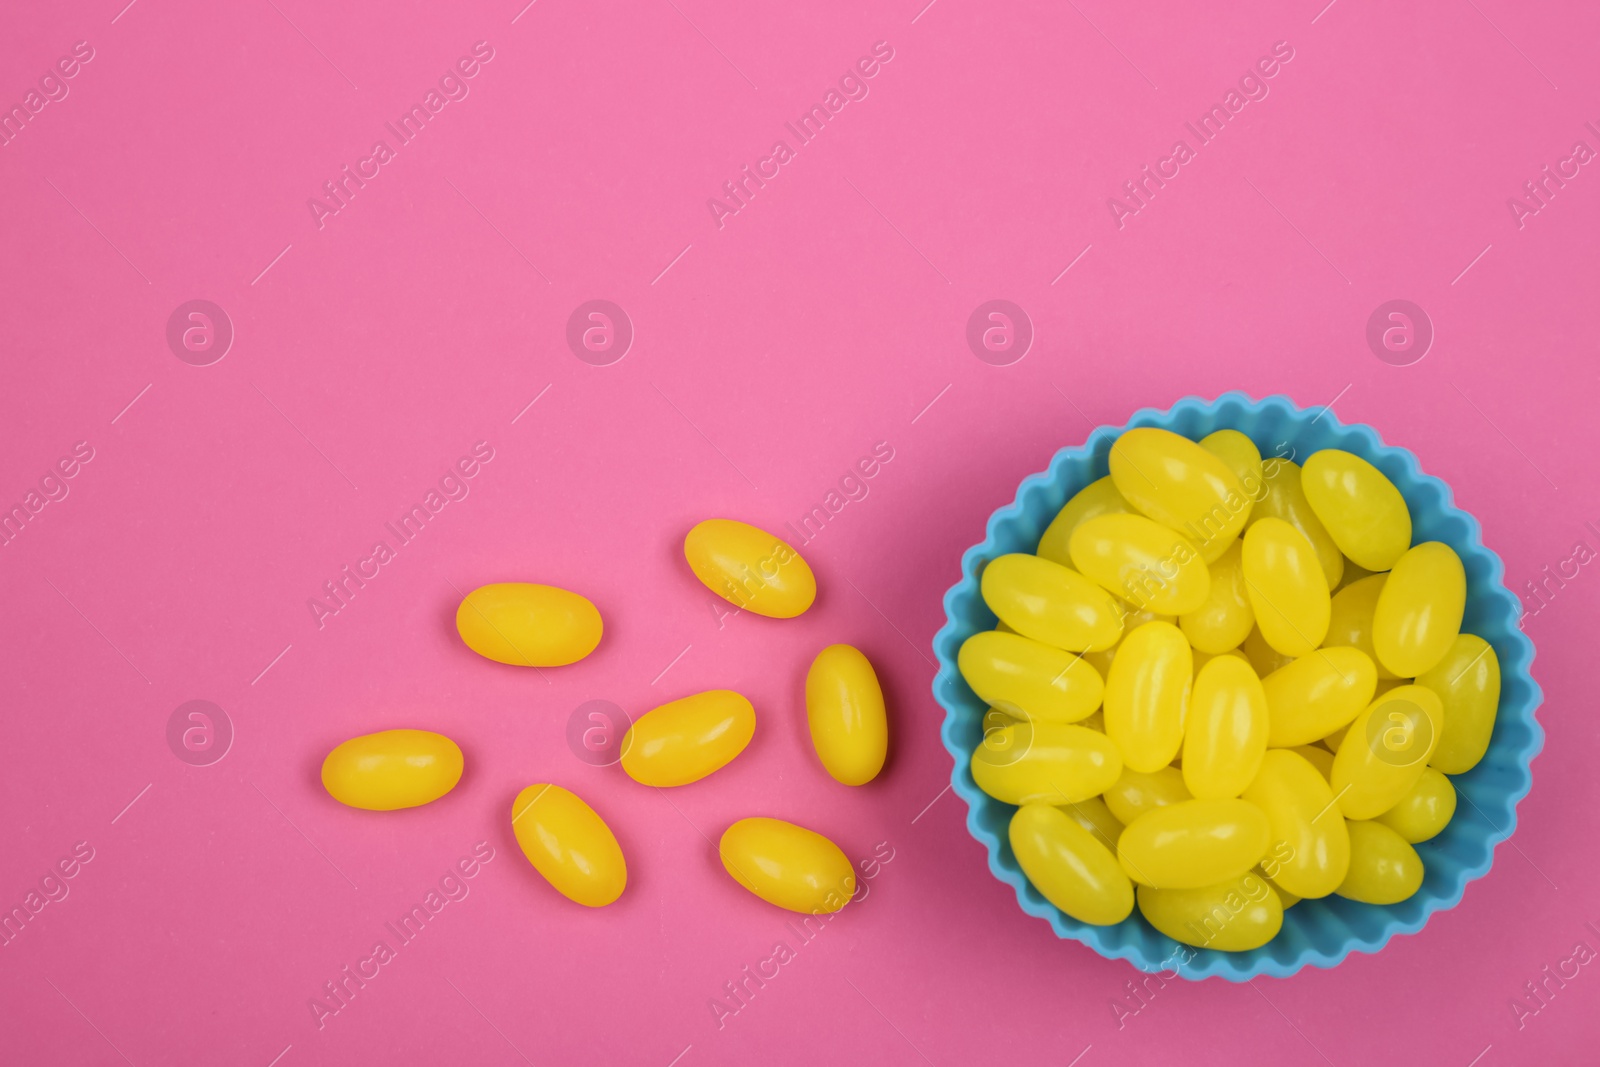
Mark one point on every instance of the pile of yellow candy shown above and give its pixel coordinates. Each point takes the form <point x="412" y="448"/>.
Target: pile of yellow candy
<point x="675" y="744"/>
<point x="1221" y="686"/>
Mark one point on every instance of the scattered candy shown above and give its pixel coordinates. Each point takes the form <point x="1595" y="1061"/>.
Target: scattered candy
<point x="392" y="769"/>
<point x="845" y="712"/>
<point x="528" y="625"/>
<point x="788" y="865"/>
<point x="750" y="568"/>
<point x="569" y="844"/>
<point x="685" y="740"/>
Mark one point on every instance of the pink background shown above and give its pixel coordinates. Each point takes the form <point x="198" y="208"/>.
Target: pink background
<point x="773" y="354"/>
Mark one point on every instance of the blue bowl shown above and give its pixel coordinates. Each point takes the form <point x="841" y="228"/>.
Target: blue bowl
<point x="1316" y="932"/>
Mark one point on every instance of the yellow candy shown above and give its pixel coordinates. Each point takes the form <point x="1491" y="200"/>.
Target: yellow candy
<point x="1262" y="656"/>
<point x="1093" y="815"/>
<point x="1045" y="762"/>
<point x="1202" y="658"/>
<point x="1467" y="680"/>
<point x="569" y="844"/>
<point x="1360" y="508"/>
<point x="1133" y="794"/>
<point x="1419" y="611"/>
<point x="844" y="709"/>
<point x="1242" y="457"/>
<point x="1350" y="621"/>
<point x="1069" y="866"/>
<point x="1182" y="486"/>
<point x="1235" y="916"/>
<point x="1386" y="751"/>
<point x="788" y="865"/>
<point x="1147" y="693"/>
<point x="1287" y="588"/>
<point x="1226" y="734"/>
<point x="750" y="568"/>
<point x="1285" y="499"/>
<point x="1224" y="620"/>
<point x="1423" y="812"/>
<point x="528" y="625"/>
<point x="1384" y="868"/>
<point x="1286" y="898"/>
<point x="1310" y="848"/>
<point x="392" y="769"/>
<point x="1194" y="843"/>
<point x="1096" y="499"/>
<point x="1141" y="561"/>
<point x="684" y="740"/>
<point x="1029" y="680"/>
<point x="1316" y="694"/>
<point x="1051" y="603"/>
<point x="1318" y="757"/>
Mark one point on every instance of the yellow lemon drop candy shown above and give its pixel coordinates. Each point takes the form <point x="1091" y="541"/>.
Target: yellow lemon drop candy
<point x="844" y="709"/>
<point x="1133" y="793"/>
<point x="1425" y="811"/>
<point x="1285" y="499"/>
<point x="1467" y="680"/>
<point x="1141" y="561"/>
<point x="1069" y="866"/>
<point x="1315" y="695"/>
<point x="1310" y="850"/>
<point x="1233" y="916"/>
<point x="788" y="866"/>
<point x="569" y="844"/>
<point x="750" y="568"/>
<point x="392" y="769"/>
<point x="1223" y="622"/>
<point x="684" y="740"/>
<point x="1051" y="603"/>
<point x="1147" y="695"/>
<point x="1288" y="590"/>
<point x="1386" y="751"/>
<point x="1029" y="680"/>
<point x="1194" y="843"/>
<point x="1384" y="868"/>
<point x="1419" y="611"/>
<point x="1350" y="617"/>
<point x="1093" y="500"/>
<point x="528" y="625"/>
<point x="1226" y="734"/>
<point x="1360" y="508"/>
<point x="1045" y="762"/>
<point x="1182" y="486"/>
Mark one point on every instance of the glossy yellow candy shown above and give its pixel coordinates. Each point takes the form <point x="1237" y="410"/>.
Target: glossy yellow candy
<point x="1045" y="762"/>
<point x="1133" y="794"/>
<point x="1288" y="590"/>
<point x="686" y="739"/>
<point x="1051" y="603"/>
<point x="1147" y="695"/>
<point x="1316" y="694"/>
<point x="1467" y="680"/>
<point x="1226" y="733"/>
<point x="1285" y="499"/>
<point x="1242" y="457"/>
<point x="1419" y="611"/>
<point x="1193" y="843"/>
<point x="1096" y="499"/>
<point x="1384" y="868"/>
<point x="1093" y="815"/>
<point x="1235" y="916"/>
<point x="1309" y="845"/>
<point x="750" y="568"/>
<point x="1224" y="620"/>
<point x="1350" y="621"/>
<point x="392" y="769"/>
<point x="569" y="844"/>
<point x="1425" y="811"/>
<point x="1386" y="751"/>
<point x="844" y="709"/>
<point x="1141" y="561"/>
<point x="528" y="625"/>
<point x="1029" y="680"/>
<point x="788" y="865"/>
<point x="1069" y="866"/>
<point x="1360" y="508"/>
<point x="1319" y="757"/>
<point x="1262" y="656"/>
<point x="1182" y="486"/>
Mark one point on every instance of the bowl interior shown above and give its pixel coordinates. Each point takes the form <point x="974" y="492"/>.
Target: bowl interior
<point x="1315" y="932"/>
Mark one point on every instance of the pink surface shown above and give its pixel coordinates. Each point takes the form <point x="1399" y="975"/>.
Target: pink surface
<point x="771" y="353"/>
